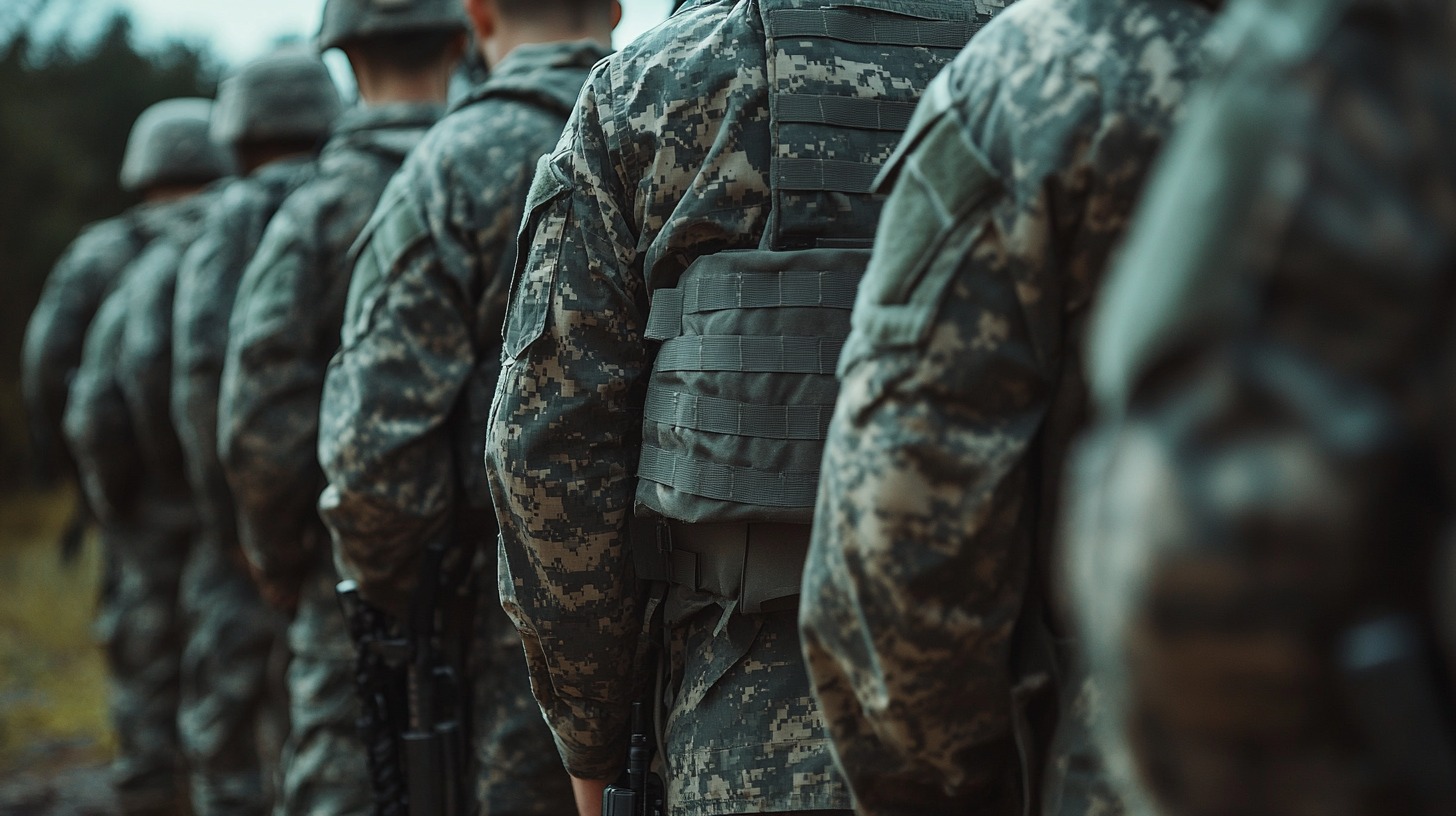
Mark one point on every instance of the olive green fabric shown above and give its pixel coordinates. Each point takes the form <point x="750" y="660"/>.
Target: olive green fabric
<point x="170" y="144"/>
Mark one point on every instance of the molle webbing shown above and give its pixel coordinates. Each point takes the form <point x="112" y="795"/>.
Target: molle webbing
<point x="762" y="355"/>
<point x="845" y="111"/>
<point x="720" y="286"/>
<point x="843" y="82"/>
<point x="739" y="485"/>
<point x="742" y="389"/>
<point x="721" y="416"/>
<point x="851" y="26"/>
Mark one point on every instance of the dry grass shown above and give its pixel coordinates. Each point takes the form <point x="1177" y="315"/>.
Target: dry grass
<point x="52" y="677"/>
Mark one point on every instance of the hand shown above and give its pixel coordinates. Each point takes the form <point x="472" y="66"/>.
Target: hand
<point x="588" y="795"/>
<point x="281" y="595"/>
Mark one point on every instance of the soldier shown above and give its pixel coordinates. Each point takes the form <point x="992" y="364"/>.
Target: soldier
<point x="284" y="328"/>
<point x="693" y="244"/>
<point x="1259" y="528"/>
<point x="405" y="401"/>
<point x="74" y="291"/>
<point x="146" y="515"/>
<point x="928" y="588"/>
<point x="272" y="113"/>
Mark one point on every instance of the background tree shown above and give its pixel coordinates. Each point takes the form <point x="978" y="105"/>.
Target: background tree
<point x="65" y="111"/>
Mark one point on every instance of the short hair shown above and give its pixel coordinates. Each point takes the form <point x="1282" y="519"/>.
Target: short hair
<point x="404" y="51"/>
<point x="570" y="13"/>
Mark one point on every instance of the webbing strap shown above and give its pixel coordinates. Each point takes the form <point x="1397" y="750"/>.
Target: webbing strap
<point x="769" y="355"/>
<point x="845" y="111"/>
<point x="753" y="290"/>
<point x="848" y="26"/>
<point x="727" y="483"/>
<point x="724" y="416"/>
<point x="830" y="175"/>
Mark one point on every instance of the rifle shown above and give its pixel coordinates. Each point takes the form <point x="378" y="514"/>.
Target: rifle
<point x="412" y="720"/>
<point x="1400" y="704"/>
<point x="639" y="791"/>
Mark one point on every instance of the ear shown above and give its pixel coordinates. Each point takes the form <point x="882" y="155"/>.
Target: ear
<point x="483" y="17"/>
<point x="616" y="13"/>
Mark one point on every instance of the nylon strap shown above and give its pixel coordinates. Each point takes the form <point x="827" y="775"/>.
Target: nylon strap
<point x="847" y="26"/>
<point x="845" y="111"/>
<point x="830" y="175"/>
<point x="753" y="290"/>
<point x="727" y="483"/>
<point x="766" y="355"/>
<point x="722" y="416"/>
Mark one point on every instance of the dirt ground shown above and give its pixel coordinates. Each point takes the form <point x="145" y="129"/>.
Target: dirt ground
<point x="54" y="739"/>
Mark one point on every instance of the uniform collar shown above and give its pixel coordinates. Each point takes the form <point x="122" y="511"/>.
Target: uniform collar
<point x="397" y="115"/>
<point x="535" y="58"/>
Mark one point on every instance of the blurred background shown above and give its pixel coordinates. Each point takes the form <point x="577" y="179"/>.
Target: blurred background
<point x="73" y="76"/>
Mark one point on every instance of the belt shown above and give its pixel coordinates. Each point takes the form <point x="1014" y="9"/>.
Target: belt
<point x="759" y="564"/>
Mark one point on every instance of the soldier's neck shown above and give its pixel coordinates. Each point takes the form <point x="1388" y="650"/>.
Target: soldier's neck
<point x="390" y="88"/>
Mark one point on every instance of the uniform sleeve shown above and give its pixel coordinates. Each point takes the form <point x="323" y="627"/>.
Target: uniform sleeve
<point x="271" y="384"/>
<point x="1263" y="475"/>
<point x="920" y="556"/>
<point x="55" y="335"/>
<point x="384" y="439"/>
<point x="144" y="357"/>
<point x="206" y="286"/>
<point x="97" y="423"/>
<point x="563" y="444"/>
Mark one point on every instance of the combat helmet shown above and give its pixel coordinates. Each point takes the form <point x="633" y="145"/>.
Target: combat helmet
<point x="285" y="95"/>
<point x="346" y="20"/>
<point x="171" y="144"/>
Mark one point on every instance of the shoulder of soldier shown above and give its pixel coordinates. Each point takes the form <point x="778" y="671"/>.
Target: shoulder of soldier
<point x="105" y="240"/>
<point x="478" y="144"/>
<point x="1102" y="41"/>
<point x="684" y="57"/>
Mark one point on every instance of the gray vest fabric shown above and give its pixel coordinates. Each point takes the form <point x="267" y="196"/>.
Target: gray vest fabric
<point x="744" y="385"/>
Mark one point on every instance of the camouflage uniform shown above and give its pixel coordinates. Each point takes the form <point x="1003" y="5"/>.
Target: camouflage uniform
<point x="1270" y="475"/>
<point x="225" y="676"/>
<point x="925" y="585"/>
<point x="405" y="401"/>
<point x="666" y="159"/>
<point x="284" y="328"/>
<point x="147" y="523"/>
<point x="56" y="332"/>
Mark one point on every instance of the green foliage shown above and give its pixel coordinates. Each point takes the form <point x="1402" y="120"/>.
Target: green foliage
<point x="65" y="113"/>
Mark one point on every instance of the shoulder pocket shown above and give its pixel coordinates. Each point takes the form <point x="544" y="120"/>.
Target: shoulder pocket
<point x="530" y="295"/>
<point x="942" y="183"/>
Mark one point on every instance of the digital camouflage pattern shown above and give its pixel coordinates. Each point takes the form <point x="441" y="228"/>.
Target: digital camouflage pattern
<point x="56" y="333"/>
<point x="961" y="389"/>
<point x="405" y="401"/>
<point x="1270" y="469"/>
<point x="143" y="366"/>
<point x="284" y="328"/>
<point x="147" y="527"/>
<point x="665" y="159"/>
<point x="207" y="285"/>
<point x="225" y="670"/>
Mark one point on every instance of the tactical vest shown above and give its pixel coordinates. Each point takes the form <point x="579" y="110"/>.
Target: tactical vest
<point x="743" y="387"/>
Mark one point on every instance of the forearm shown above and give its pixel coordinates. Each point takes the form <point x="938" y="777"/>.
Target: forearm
<point x="268" y="456"/>
<point x="566" y="579"/>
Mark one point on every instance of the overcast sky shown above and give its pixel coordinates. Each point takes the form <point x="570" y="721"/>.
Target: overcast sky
<point x="237" y="30"/>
